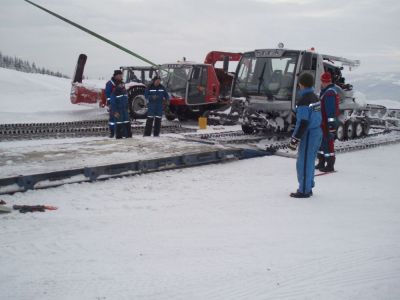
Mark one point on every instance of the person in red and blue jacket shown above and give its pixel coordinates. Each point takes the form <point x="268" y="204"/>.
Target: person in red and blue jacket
<point x="155" y="95"/>
<point x="329" y="98"/>
<point x="308" y="134"/>
<point x="110" y="87"/>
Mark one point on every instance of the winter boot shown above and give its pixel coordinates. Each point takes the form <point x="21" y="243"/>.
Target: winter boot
<point x="149" y="126"/>
<point x="157" y="126"/>
<point x="321" y="162"/>
<point x="118" y="131"/>
<point x="330" y="165"/>
<point x="301" y="195"/>
<point x="128" y="130"/>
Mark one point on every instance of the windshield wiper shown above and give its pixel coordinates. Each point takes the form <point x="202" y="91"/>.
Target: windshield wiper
<point x="262" y="82"/>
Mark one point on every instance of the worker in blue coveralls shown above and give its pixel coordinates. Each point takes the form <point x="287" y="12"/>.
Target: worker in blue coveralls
<point x="115" y="80"/>
<point x="308" y="134"/>
<point x="155" y="95"/>
<point x="329" y="98"/>
<point x="119" y="110"/>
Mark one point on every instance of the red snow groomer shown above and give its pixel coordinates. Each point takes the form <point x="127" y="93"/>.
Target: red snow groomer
<point x="195" y="89"/>
<point x="198" y="89"/>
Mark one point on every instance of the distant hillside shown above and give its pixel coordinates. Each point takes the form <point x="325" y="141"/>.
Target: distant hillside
<point x="15" y="63"/>
<point x="377" y="86"/>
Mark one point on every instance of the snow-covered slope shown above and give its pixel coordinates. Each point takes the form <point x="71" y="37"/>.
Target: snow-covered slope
<point x="26" y="97"/>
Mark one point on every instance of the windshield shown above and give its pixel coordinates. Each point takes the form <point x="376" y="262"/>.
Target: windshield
<point x="132" y="75"/>
<point x="272" y="77"/>
<point x="175" y="77"/>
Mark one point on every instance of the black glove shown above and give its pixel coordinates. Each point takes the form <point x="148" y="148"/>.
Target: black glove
<point x="293" y="143"/>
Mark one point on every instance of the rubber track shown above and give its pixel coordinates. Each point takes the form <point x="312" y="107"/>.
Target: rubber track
<point x="70" y="129"/>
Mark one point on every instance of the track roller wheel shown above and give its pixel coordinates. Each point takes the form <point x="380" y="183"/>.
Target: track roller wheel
<point x="182" y="118"/>
<point x="170" y="116"/>
<point x="349" y="130"/>
<point x="358" y="129"/>
<point x="340" y="132"/>
<point x="247" y="129"/>
<point x="366" y="127"/>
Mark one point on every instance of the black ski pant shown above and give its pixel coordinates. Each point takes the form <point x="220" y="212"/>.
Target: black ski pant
<point x="149" y="126"/>
<point x="123" y="130"/>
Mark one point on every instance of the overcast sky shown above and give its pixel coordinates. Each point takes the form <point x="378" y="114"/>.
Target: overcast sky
<point x="165" y="31"/>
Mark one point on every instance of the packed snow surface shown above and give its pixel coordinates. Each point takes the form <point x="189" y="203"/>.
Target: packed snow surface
<point x="226" y="231"/>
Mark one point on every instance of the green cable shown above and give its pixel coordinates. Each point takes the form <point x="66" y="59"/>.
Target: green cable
<point x="95" y="34"/>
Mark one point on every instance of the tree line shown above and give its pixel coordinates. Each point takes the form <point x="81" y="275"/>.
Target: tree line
<point x="18" y="64"/>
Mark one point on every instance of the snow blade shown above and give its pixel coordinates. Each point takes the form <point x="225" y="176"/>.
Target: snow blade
<point x="80" y="66"/>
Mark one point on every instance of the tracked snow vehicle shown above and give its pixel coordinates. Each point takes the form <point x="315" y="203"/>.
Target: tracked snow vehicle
<point x="266" y="85"/>
<point x="195" y="88"/>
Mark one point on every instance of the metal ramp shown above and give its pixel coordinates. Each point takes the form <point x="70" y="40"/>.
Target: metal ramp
<point x="23" y="183"/>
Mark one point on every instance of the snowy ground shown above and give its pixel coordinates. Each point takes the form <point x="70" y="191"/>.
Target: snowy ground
<point x="28" y="98"/>
<point x="226" y="231"/>
<point x="214" y="232"/>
